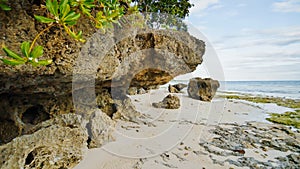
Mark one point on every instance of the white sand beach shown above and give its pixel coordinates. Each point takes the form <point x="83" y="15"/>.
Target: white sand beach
<point x="181" y="138"/>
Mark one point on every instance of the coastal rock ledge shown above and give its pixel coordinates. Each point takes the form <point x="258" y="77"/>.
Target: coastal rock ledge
<point x="39" y="125"/>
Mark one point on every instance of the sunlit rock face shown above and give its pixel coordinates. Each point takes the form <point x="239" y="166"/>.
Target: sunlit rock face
<point x="203" y="89"/>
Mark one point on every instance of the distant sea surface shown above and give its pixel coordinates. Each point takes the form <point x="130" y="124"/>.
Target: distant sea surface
<point x="285" y="89"/>
<point x="288" y="89"/>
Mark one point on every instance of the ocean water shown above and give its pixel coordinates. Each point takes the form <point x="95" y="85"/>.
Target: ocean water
<point x="284" y="89"/>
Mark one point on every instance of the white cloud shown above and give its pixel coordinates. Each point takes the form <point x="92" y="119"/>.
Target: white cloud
<point x="287" y="6"/>
<point x="260" y="54"/>
<point x="201" y="5"/>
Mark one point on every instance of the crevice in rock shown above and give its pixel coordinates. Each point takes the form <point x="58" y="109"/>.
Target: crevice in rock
<point x="89" y="140"/>
<point x="34" y="115"/>
<point x="89" y="131"/>
<point x="29" y="158"/>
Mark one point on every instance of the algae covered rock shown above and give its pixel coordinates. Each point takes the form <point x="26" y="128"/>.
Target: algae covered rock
<point x="203" y="89"/>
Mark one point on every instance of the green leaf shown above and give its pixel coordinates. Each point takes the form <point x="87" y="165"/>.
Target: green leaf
<point x="89" y="4"/>
<point x="5" y="7"/>
<point x="115" y="14"/>
<point x="44" y="62"/>
<point x="71" y="23"/>
<point x="64" y="8"/>
<point x="52" y="7"/>
<point x="85" y="11"/>
<point x="77" y="36"/>
<point x="11" y="54"/>
<point x="71" y="18"/>
<point x="37" y="52"/>
<point x="43" y="19"/>
<point x="25" y="46"/>
<point x="12" y="61"/>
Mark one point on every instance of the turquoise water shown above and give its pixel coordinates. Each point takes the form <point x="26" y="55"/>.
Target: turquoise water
<point x="287" y="89"/>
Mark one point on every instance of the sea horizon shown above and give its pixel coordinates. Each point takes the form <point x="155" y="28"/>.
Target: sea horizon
<point x="273" y="88"/>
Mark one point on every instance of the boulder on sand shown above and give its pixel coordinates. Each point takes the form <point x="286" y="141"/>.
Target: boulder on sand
<point x="203" y="89"/>
<point x="169" y="102"/>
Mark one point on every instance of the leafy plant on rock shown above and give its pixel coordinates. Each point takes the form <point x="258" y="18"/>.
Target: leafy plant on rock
<point x="65" y="13"/>
<point x="165" y="13"/>
<point x="29" y="56"/>
<point x="62" y="15"/>
<point x="102" y="13"/>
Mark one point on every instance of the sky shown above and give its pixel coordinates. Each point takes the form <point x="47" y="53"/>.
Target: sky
<point x="253" y="39"/>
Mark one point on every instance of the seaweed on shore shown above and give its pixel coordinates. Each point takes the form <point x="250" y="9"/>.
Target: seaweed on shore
<point x="288" y="118"/>
<point x="295" y="104"/>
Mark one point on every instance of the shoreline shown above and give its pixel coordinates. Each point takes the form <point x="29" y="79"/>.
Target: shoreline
<point x="284" y="111"/>
<point x="186" y="137"/>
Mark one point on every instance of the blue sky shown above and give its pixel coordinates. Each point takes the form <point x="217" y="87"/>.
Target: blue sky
<point x="253" y="39"/>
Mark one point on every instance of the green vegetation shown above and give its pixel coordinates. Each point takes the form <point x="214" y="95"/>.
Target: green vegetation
<point x="102" y="13"/>
<point x="288" y="118"/>
<point x="4" y="6"/>
<point x="260" y="99"/>
<point x="29" y="56"/>
<point x="65" y="13"/>
<point x="176" y="10"/>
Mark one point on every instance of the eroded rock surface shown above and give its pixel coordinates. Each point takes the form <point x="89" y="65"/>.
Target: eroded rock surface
<point x="57" y="143"/>
<point x="234" y="144"/>
<point x="142" y="58"/>
<point x="169" y="102"/>
<point x="202" y="89"/>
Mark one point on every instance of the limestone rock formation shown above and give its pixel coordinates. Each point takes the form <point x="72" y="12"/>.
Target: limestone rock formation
<point x="169" y="102"/>
<point x="33" y="99"/>
<point x="99" y="129"/>
<point x="57" y="143"/>
<point x="126" y="111"/>
<point x="202" y="89"/>
<point x="140" y="57"/>
<point x="176" y="88"/>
